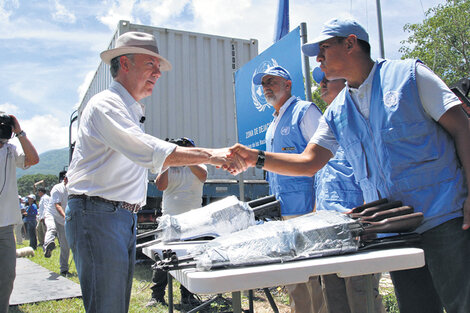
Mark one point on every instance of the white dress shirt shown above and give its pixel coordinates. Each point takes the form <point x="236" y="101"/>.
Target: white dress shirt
<point x="112" y="152"/>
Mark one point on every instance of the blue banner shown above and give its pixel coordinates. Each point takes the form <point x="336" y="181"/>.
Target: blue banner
<point x="282" y="23"/>
<point x="254" y="114"/>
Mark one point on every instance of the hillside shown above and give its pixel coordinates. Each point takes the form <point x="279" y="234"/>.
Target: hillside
<point x="50" y="162"/>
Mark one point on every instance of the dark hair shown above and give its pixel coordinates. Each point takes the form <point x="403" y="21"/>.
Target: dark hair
<point x="115" y="65"/>
<point x="43" y="190"/>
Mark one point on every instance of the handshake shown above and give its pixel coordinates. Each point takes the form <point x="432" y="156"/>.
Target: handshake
<point x="235" y="159"/>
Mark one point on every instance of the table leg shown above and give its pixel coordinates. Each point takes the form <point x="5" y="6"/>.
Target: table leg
<point x="370" y="293"/>
<point x="236" y="302"/>
<point x="170" y="293"/>
<point x="250" y="301"/>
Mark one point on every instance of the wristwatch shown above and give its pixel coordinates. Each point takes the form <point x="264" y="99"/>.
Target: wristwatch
<point x="261" y="159"/>
<point x="21" y="134"/>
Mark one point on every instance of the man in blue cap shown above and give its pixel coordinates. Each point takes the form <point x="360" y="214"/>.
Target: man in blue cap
<point x="406" y="136"/>
<point x="294" y="123"/>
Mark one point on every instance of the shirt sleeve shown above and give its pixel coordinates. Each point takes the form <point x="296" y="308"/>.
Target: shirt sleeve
<point x="324" y="137"/>
<point x="116" y="129"/>
<point x="309" y="122"/>
<point x="435" y="96"/>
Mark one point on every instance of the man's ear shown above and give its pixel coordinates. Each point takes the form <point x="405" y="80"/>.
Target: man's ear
<point x="289" y="84"/>
<point x="124" y="63"/>
<point x="351" y="42"/>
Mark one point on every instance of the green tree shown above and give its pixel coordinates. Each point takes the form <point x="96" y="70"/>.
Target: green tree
<point x="26" y="183"/>
<point x="442" y="41"/>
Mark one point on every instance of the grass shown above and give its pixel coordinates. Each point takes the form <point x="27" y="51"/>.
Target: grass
<point x="141" y="293"/>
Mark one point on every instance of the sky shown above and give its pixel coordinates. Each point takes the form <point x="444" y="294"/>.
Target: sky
<point x="50" y="48"/>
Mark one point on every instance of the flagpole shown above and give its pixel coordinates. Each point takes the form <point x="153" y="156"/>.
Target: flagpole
<point x="379" y="22"/>
<point x="306" y="63"/>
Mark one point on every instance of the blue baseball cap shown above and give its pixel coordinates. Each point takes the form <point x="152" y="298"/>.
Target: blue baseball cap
<point x="336" y="27"/>
<point x="317" y="74"/>
<point x="274" y="71"/>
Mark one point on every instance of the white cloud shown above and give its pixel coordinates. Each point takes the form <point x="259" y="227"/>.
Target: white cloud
<point x="120" y="10"/>
<point x="61" y="14"/>
<point x="45" y="132"/>
<point x="9" y="108"/>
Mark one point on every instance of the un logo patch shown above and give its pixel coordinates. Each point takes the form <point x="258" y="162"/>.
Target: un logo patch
<point x="391" y="98"/>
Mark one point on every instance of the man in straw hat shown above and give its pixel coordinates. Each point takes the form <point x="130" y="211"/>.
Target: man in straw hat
<point x="108" y="173"/>
<point x="406" y="136"/>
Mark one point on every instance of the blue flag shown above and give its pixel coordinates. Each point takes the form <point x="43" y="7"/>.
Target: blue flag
<point x="282" y="24"/>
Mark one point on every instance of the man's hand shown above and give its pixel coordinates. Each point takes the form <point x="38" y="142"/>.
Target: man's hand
<point x="222" y="158"/>
<point x="242" y="155"/>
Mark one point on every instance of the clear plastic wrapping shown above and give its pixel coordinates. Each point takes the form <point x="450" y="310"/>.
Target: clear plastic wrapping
<point x="312" y="235"/>
<point x="225" y="216"/>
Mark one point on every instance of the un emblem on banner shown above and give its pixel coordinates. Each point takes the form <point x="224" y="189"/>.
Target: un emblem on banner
<point x="257" y="90"/>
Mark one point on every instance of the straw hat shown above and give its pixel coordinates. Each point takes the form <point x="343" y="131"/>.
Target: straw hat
<point x="135" y="42"/>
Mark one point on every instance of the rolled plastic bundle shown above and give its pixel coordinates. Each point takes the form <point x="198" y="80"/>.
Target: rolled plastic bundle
<point x="225" y="216"/>
<point x="312" y="235"/>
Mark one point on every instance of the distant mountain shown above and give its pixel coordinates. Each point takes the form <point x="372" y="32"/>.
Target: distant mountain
<point x="50" y="162"/>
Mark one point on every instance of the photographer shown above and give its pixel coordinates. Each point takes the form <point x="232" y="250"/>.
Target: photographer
<point x="182" y="191"/>
<point x="9" y="213"/>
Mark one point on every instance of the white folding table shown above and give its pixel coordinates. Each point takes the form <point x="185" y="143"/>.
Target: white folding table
<point x="261" y="276"/>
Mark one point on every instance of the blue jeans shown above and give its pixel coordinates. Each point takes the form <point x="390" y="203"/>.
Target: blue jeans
<point x="445" y="280"/>
<point x="31" y="229"/>
<point x="102" y="237"/>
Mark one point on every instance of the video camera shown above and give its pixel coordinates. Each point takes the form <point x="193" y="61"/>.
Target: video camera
<point x="182" y="142"/>
<point x="6" y="126"/>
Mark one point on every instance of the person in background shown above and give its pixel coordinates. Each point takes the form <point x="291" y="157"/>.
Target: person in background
<point x="294" y="123"/>
<point x="30" y="220"/>
<point x="406" y="136"/>
<point x="10" y="159"/>
<point x="336" y="189"/>
<point x="182" y="191"/>
<point x="41" y="225"/>
<point x="19" y="226"/>
<point x="108" y="173"/>
<point x="55" y="221"/>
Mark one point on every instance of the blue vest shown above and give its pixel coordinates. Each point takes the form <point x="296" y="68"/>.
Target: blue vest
<point x="296" y="194"/>
<point x="400" y="152"/>
<point x="335" y="186"/>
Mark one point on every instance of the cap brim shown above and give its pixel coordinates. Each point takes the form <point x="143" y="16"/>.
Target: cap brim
<point x="312" y="48"/>
<point x="108" y="55"/>
<point x="258" y="78"/>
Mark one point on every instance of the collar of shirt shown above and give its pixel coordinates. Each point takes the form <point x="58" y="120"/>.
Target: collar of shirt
<point x="361" y="96"/>
<point x="277" y="116"/>
<point x="134" y="106"/>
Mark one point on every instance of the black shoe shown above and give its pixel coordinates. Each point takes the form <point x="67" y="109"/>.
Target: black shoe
<point x="190" y="301"/>
<point x="65" y="273"/>
<point x="155" y="302"/>
<point x="50" y="246"/>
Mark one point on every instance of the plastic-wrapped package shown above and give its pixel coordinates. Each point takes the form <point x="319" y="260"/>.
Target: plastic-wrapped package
<point x="225" y="216"/>
<point x="312" y="235"/>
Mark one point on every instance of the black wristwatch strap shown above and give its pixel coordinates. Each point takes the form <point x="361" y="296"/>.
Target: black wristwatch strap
<point x="261" y="159"/>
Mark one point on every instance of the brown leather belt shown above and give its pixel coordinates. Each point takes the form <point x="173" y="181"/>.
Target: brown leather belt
<point x="134" y="208"/>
